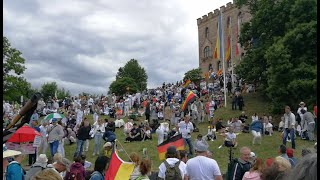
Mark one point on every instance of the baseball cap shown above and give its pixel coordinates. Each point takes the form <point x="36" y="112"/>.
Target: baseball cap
<point x="9" y="153"/>
<point x="201" y="147"/>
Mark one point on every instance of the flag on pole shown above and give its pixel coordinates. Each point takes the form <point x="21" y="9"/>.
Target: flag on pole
<point x="191" y="97"/>
<point x="237" y="36"/>
<point x="118" y="169"/>
<point x="228" y="50"/>
<point x="176" y="141"/>
<point x="186" y="83"/>
<point x="217" y="49"/>
<point x="219" y="72"/>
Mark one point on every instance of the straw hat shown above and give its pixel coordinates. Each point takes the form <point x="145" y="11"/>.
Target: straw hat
<point x="8" y="152"/>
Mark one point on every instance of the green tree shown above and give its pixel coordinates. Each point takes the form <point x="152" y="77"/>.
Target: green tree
<point x="133" y="70"/>
<point x="194" y="75"/>
<point x="292" y="59"/>
<point x="62" y="93"/>
<point x="280" y="40"/>
<point x="14" y="85"/>
<point x="123" y="85"/>
<point x="49" y="89"/>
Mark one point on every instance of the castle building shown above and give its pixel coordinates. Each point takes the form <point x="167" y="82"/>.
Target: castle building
<point x="232" y="19"/>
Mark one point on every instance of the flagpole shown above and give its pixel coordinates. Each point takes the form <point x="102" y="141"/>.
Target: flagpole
<point x="231" y="59"/>
<point x="223" y="66"/>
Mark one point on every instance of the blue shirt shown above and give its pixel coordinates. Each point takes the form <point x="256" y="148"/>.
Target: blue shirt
<point x="96" y="176"/>
<point x="14" y="171"/>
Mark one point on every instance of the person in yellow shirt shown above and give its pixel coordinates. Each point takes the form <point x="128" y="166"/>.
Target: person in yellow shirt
<point x="107" y="149"/>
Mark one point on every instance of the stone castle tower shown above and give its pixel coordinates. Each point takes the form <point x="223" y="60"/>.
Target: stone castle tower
<point x="207" y="35"/>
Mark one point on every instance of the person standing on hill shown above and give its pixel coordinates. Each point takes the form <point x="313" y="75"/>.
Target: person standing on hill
<point x="186" y="128"/>
<point x="202" y="167"/>
<point x="308" y="119"/>
<point x="172" y="161"/>
<point x="240" y="102"/>
<point x="289" y="124"/>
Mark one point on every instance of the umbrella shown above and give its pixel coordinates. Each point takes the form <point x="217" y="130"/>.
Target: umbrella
<point x="24" y="134"/>
<point x="54" y="115"/>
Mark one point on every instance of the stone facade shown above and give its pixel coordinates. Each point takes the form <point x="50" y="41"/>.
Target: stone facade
<point x="207" y="36"/>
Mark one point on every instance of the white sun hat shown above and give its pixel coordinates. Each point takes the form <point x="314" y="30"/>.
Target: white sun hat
<point x="8" y="152"/>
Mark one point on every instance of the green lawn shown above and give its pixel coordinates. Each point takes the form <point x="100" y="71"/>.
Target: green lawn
<point x="254" y="103"/>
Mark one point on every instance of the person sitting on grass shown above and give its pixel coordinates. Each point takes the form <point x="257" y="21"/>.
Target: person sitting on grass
<point x="146" y="133"/>
<point x="135" y="134"/>
<point x="127" y="127"/>
<point x="230" y="138"/>
<point x="109" y="136"/>
<point x="211" y="136"/>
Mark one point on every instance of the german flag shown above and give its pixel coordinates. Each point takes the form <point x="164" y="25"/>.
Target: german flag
<point x="176" y="141"/>
<point x="191" y="97"/>
<point x="219" y="72"/>
<point x="118" y="169"/>
<point x="186" y="83"/>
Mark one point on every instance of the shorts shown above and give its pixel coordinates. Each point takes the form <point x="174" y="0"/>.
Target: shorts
<point x="228" y="144"/>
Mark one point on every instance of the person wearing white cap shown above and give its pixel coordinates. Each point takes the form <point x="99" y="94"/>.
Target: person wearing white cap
<point x="202" y="167"/>
<point x="39" y="165"/>
<point x="13" y="170"/>
<point x="6" y="154"/>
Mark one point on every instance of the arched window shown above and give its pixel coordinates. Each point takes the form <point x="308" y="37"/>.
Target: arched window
<point x="206" y="51"/>
<point x="207" y="32"/>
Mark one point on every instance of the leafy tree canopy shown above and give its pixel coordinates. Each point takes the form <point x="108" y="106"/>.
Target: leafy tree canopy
<point x="14" y="85"/>
<point x="123" y="86"/>
<point x="133" y="70"/>
<point x="281" y="41"/>
<point x="194" y="75"/>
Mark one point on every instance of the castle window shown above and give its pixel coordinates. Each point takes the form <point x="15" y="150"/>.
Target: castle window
<point x="207" y="32"/>
<point x="206" y="51"/>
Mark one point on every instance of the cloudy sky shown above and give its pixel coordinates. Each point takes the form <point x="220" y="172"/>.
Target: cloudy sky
<point x="81" y="44"/>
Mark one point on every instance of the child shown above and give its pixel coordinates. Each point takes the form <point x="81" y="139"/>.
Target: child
<point x="200" y="138"/>
<point x="230" y="138"/>
<point x="107" y="149"/>
<point x="211" y="136"/>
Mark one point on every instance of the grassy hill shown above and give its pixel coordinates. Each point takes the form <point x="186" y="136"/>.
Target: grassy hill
<point x="254" y="103"/>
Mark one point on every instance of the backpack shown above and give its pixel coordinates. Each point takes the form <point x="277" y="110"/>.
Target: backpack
<point x="172" y="173"/>
<point x="231" y="168"/>
<point x="75" y="173"/>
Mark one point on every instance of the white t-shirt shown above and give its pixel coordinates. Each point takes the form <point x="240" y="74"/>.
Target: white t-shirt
<point x="172" y="162"/>
<point x="230" y="136"/>
<point x="185" y="129"/>
<point x="202" y="168"/>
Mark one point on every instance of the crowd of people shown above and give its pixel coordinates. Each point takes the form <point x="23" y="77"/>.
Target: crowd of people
<point x="161" y="108"/>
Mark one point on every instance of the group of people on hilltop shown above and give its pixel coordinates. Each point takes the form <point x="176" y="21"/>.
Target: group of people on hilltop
<point x="76" y="128"/>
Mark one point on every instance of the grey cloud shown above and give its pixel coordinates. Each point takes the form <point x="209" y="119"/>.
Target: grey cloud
<point x="81" y="44"/>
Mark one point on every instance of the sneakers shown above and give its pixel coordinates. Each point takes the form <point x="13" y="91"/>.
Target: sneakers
<point x="212" y="140"/>
<point x="220" y="147"/>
